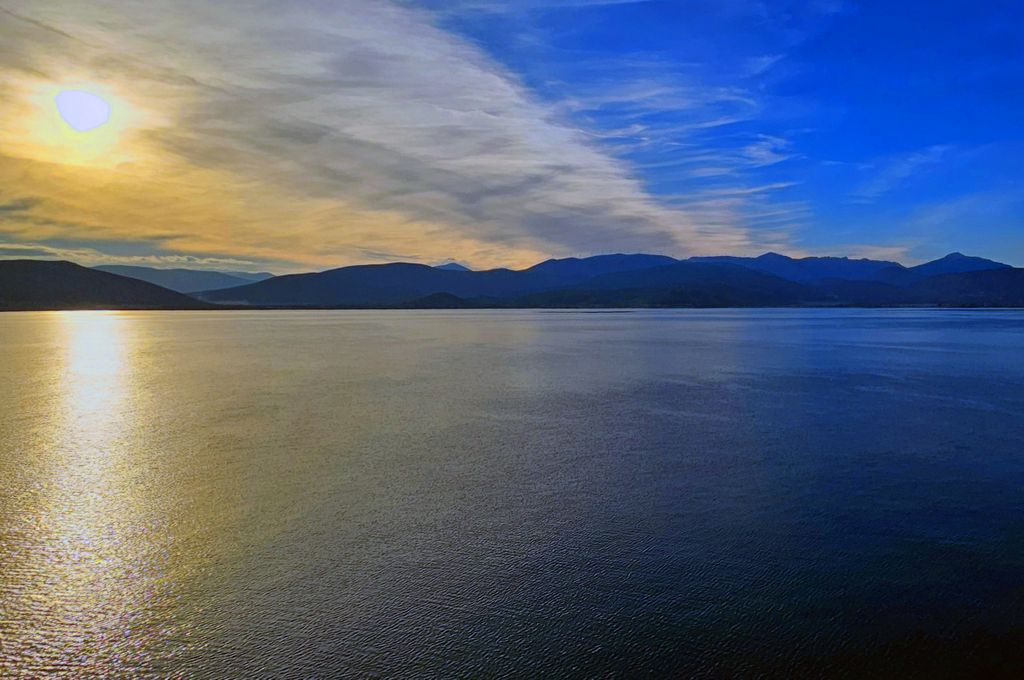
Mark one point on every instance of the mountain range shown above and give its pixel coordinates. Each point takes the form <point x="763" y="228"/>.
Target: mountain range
<point x="618" y="280"/>
<point x="42" y="284"/>
<point x="186" y="280"/>
<point x="642" y="281"/>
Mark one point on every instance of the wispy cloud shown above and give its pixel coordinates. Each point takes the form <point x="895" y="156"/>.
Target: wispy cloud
<point x="891" y="173"/>
<point x="318" y="132"/>
<point x="768" y="150"/>
<point x="89" y="256"/>
<point x="18" y="205"/>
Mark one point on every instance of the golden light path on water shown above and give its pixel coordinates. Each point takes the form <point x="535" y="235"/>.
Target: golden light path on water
<point x="78" y="582"/>
<point x="128" y="504"/>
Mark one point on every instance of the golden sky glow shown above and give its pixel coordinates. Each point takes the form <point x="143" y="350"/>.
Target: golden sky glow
<point x="302" y="138"/>
<point x="48" y="137"/>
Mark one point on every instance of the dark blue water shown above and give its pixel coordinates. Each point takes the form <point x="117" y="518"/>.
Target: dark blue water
<point x="473" y="494"/>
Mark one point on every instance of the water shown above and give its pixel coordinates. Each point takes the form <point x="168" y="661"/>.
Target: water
<point x="470" y="494"/>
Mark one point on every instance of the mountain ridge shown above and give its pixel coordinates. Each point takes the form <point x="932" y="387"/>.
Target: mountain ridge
<point x="183" y="279"/>
<point x="30" y="285"/>
<point x="825" y="280"/>
<point x="613" y="280"/>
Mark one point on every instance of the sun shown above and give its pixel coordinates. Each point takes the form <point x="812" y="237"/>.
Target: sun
<point x="82" y="123"/>
<point x="82" y="110"/>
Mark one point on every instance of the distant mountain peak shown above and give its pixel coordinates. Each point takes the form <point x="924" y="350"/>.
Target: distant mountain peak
<point x="957" y="263"/>
<point x="453" y="266"/>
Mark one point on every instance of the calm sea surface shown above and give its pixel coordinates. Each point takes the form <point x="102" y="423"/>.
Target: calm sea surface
<point x="472" y="494"/>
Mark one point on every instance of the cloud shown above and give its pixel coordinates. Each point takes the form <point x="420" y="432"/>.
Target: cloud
<point x="317" y="132"/>
<point x="894" y="253"/>
<point x="18" y="252"/>
<point x="767" y="150"/>
<point x="762" y="63"/>
<point x="17" y="205"/>
<point x="91" y="256"/>
<point x="894" y="172"/>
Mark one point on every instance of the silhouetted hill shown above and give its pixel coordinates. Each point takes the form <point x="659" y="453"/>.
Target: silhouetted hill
<point x="45" y="284"/>
<point x="859" y="293"/>
<point x="685" y="284"/>
<point x="704" y="295"/>
<point x="383" y="284"/>
<point x="808" y="269"/>
<point x="956" y="263"/>
<point x="453" y="267"/>
<point x="185" y="280"/>
<point x="633" y="280"/>
<point x="679" y="284"/>
<point x="389" y="284"/>
<point x="572" y="270"/>
<point x="440" y="301"/>
<point x="1003" y="287"/>
<point x="689" y="285"/>
<point x="830" y="270"/>
<point x="601" y="281"/>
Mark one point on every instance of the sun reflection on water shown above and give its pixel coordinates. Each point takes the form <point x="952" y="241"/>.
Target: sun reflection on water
<point x="94" y="371"/>
<point x="86" y="573"/>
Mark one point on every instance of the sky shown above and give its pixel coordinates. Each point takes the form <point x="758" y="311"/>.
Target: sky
<point x="295" y="135"/>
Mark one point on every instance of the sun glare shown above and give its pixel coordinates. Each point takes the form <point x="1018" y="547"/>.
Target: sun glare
<point x="82" y="124"/>
<point x="82" y="110"/>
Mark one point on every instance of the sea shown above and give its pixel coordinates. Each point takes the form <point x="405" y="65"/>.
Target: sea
<point x="477" y="494"/>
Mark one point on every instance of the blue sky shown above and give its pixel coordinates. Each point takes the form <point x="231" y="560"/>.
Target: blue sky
<point x="873" y="127"/>
<point x="303" y="134"/>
